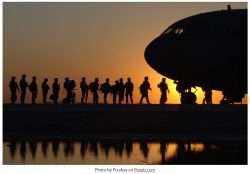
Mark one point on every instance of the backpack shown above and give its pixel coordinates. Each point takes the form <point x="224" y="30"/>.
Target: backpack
<point x="102" y="88"/>
<point x="141" y="88"/>
<point x="30" y="87"/>
<point x="52" y="97"/>
<point x="91" y="86"/>
<point x="73" y="83"/>
<point x="112" y="89"/>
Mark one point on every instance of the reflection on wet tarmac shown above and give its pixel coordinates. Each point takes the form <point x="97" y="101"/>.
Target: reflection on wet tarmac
<point x="124" y="152"/>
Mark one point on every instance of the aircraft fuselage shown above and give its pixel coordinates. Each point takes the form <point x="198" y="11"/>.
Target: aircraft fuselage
<point x="208" y="49"/>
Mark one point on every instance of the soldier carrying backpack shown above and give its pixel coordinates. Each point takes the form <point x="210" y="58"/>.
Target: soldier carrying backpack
<point x="144" y="87"/>
<point x="164" y="88"/>
<point x="105" y="89"/>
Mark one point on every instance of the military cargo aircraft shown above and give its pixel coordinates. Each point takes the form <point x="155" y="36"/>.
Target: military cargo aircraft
<point x="208" y="50"/>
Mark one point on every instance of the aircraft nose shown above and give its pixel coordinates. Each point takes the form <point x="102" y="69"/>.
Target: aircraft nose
<point x="162" y="55"/>
<point x="152" y="52"/>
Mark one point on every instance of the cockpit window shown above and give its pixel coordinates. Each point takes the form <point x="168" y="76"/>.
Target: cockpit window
<point x="169" y="30"/>
<point x="179" y="31"/>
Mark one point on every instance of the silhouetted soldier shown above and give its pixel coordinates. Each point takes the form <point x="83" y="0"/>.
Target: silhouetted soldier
<point x="164" y="88"/>
<point x="45" y="89"/>
<point x="23" y="85"/>
<point x="121" y="91"/>
<point x="105" y="88"/>
<point x="33" y="89"/>
<point x="72" y="88"/>
<point x="69" y="86"/>
<point x="186" y="94"/>
<point x="180" y="87"/>
<point x="145" y="86"/>
<point x="13" y="87"/>
<point x="226" y="98"/>
<point x="129" y="86"/>
<point x="189" y="88"/>
<point x="114" y="90"/>
<point x="94" y="88"/>
<point x="84" y="87"/>
<point x="66" y="86"/>
<point x="208" y="96"/>
<point x="183" y="87"/>
<point x="56" y="89"/>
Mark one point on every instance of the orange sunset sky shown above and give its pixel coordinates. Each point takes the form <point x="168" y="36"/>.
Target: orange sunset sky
<point x="91" y="39"/>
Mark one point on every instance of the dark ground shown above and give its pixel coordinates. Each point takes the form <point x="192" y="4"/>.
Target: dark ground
<point x="125" y="121"/>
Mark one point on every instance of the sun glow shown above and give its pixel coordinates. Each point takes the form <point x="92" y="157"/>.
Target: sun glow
<point x="76" y="42"/>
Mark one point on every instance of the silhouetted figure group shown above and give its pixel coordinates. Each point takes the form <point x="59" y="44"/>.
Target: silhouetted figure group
<point x="23" y="85"/>
<point x="118" y="91"/>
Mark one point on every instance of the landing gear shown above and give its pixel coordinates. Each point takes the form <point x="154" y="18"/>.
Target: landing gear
<point x="230" y="97"/>
<point x="188" y="98"/>
<point x="184" y="89"/>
